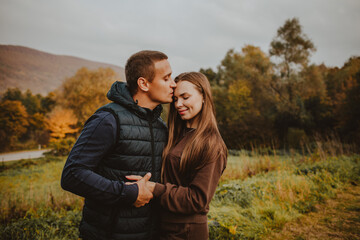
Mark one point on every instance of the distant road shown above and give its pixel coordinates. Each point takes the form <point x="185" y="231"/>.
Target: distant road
<point x="4" y="157"/>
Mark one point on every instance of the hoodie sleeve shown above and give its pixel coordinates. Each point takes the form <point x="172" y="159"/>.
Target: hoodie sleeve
<point x="196" y="197"/>
<point x="79" y="177"/>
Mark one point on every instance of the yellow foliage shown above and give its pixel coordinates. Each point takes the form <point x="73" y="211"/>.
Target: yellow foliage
<point x="13" y="117"/>
<point x="232" y="229"/>
<point x="240" y="102"/>
<point x="86" y="91"/>
<point x="61" y="122"/>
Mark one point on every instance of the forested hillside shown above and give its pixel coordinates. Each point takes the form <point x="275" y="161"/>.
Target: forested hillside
<point x="41" y="72"/>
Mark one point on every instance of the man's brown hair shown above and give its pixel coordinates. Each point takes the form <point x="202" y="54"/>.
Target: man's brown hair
<point x="141" y="64"/>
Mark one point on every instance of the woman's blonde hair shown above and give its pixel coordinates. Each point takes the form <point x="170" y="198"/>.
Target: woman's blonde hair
<point x="206" y="143"/>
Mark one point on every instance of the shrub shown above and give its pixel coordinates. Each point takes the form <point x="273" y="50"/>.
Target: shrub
<point x="43" y="224"/>
<point x="62" y="147"/>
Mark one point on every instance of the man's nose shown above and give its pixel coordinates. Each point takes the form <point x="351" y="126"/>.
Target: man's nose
<point x="173" y="83"/>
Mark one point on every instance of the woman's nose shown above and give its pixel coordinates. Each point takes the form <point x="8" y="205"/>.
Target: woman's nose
<point x="178" y="103"/>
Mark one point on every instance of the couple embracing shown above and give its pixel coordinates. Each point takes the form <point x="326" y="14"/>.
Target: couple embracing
<point x="139" y="179"/>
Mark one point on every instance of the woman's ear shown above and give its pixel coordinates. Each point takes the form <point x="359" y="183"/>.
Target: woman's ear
<point x="143" y="84"/>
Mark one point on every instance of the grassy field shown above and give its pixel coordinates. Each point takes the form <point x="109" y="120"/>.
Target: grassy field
<point x="33" y="205"/>
<point x="258" y="195"/>
<point x="337" y="218"/>
<point x="274" y="190"/>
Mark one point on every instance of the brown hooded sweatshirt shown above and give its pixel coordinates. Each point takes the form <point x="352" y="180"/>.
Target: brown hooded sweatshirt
<point x="186" y="199"/>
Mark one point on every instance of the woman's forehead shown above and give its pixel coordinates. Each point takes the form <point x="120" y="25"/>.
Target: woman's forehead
<point x="184" y="87"/>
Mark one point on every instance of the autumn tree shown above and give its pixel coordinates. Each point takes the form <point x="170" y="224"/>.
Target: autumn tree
<point x="244" y="98"/>
<point x="36" y="107"/>
<point x="61" y="122"/>
<point x="317" y="119"/>
<point x="239" y="110"/>
<point x="351" y="113"/>
<point x="13" y="123"/>
<point x="258" y="101"/>
<point x="86" y="91"/>
<point x="343" y="88"/>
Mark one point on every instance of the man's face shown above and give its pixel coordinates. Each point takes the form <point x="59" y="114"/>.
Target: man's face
<point x="161" y="89"/>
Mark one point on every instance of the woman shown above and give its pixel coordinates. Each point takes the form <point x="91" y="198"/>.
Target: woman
<point x="194" y="159"/>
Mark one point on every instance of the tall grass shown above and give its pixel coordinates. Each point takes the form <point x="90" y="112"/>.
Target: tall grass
<point x="32" y="203"/>
<point x="259" y="192"/>
<point x="269" y="191"/>
<point x="29" y="185"/>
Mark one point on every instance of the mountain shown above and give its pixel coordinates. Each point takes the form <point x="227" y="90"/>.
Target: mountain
<point x="39" y="71"/>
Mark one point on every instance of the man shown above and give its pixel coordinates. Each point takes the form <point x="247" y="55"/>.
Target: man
<point x="125" y="137"/>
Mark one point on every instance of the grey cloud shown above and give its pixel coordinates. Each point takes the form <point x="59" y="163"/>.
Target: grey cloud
<point x="193" y="33"/>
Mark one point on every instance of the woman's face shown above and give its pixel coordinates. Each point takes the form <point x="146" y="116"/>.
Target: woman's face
<point x="188" y="102"/>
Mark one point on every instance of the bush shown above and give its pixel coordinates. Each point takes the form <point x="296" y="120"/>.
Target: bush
<point x="235" y="192"/>
<point x="43" y="224"/>
<point x="62" y="147"/>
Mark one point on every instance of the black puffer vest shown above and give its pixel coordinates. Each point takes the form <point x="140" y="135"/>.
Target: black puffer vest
<point x="141" y="137"/>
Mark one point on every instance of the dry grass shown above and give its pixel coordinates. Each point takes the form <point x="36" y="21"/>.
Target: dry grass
<point x="259" y="194"/>
<point x="244" y="166"/>
<point x="338" y="218"/>
<point x="32" y="187"/>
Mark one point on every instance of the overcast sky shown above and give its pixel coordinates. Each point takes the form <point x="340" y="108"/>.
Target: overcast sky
<point x="193" y="33"/>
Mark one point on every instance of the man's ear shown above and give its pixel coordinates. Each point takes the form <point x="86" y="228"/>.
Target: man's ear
<point x="143" y="84"/>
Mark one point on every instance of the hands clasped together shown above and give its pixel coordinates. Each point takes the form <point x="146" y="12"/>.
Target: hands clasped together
<point x="146" y="188"/>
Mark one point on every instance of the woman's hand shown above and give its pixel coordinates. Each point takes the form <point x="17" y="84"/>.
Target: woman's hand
<point x="150" y="185"/>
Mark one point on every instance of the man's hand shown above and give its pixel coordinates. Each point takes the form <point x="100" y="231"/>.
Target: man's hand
<point x="149" y="184"/>
<point x="145" y="195"/>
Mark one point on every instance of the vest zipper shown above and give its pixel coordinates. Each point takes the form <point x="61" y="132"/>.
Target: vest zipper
<point x="152" y="151"/>
<point x="153" y="178"/>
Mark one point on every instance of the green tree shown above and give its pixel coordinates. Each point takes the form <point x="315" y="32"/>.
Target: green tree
<point x="33" y="103"/>
<point x="294" y="81"/>
<point x="292" y="46"/>
<point x="48" y="102"/>
<point x="13" y="94"/>
<point x="212" y="76"/>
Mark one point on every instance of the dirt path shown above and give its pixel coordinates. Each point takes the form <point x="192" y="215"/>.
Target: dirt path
<point x="338" y="218"/>
<point x="12" y="156"/>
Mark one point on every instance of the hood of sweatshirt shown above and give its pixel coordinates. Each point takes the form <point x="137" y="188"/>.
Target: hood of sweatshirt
<point x="120" y="94"/>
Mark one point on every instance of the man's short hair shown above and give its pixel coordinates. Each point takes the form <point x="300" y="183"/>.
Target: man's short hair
<point x="141" y="64"/>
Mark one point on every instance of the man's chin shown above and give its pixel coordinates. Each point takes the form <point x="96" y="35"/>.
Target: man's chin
<point x="169" y="101"/>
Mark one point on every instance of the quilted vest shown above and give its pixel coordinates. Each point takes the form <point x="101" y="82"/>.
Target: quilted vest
<point x="141" y="137"/>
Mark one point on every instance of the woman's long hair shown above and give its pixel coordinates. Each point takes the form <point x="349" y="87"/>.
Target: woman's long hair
<point x="206" y="143"/>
